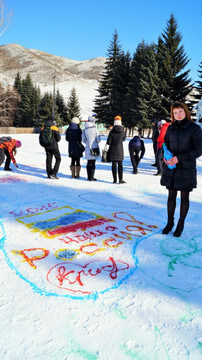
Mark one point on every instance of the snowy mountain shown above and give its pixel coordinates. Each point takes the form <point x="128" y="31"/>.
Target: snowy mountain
<point x="83" y="75"/>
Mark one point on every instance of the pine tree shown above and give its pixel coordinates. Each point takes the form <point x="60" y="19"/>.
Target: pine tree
<point x="199" y="83"/>
<point x="61" y="108"/>
<point x="45" y="108"/>
<point x="29" y="101"/>
<point x="175" y="83"/>
<point x="104" y="107"/>
<point x="120" y="83"/>
<point x="73" y="107"/>
<point x="142" y="99"/>
<point x="18" y="87"/>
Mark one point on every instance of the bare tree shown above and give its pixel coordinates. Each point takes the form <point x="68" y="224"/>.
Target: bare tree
<point x="5" y="17"/>
<point x="8" y="106"/>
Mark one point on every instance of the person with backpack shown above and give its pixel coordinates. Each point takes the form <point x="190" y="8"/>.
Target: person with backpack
<point x="115" y="153"/>
<point x="49" y="138"/>
<point x="8" y="148"/>
<point x="136" y="150"/>
<point x="75" y="148"/>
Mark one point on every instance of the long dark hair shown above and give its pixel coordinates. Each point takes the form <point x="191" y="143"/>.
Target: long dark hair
<point x="178" y="105"/>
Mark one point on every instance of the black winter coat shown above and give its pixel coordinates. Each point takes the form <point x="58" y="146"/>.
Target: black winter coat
<point x="184" y="139"/>
<point x="73" y="136"/>
<point x="56" y="135"/>
<point x="115" y="141"/>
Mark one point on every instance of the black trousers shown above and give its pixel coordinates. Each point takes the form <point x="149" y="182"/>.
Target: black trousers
<point x="90" y="169"/>
<point x="50" y="153"/>
<point x="2" y="156"/>
<point x="159" y="160"/>
<point x="134" y="157"/>
<point x="4" y="153"/>
<point x="75" y="161"/>
<point x="116" y="164"/>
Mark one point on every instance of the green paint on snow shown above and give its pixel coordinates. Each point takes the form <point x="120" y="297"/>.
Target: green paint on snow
<point x="133" y="354"/>
<point x="77" y="349"/>
<point x="159" y="339"/>
<point x="120" y="313"/>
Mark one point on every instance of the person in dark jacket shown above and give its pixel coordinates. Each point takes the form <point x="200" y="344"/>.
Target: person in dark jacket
<point x="115" y="153"/>
<point x="75" y="149"/>
<point x="155" y="134"/>
<point x="184" y="139"/>
<point x="136" y="150"/>
<point x="8" y="148"/>
<point x="52" y="150"/>
<point x="163" y="125"/>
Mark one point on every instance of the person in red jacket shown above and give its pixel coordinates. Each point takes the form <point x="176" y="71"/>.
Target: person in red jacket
<point x="160" y="140"/>
<point x="8" y="148"/>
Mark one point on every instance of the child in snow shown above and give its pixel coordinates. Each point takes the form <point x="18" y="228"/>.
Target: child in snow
<point x="8" y="149"/>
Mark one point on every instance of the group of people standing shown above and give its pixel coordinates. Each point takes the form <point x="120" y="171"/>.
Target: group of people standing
<point x="182" y="137"/>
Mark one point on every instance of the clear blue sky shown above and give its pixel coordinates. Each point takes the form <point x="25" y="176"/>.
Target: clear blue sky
<point x="82" y="29"/>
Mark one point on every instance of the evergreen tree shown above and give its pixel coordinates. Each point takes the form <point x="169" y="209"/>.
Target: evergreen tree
<point x="73" y="107"/>
<point x="142" y="99"/>
<point x="29" y="101"/>
<point x="61" y="108"/>
<point x="45" y="108"/>
<point x="175" y="83"/>
<point x="104" y="107"/>
<point x="18" y="87"/>
<point x="199" y="83"/>
<point x="120" y="83"/>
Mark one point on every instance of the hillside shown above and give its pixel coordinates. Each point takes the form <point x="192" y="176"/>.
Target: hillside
<point x="83" y="75"/>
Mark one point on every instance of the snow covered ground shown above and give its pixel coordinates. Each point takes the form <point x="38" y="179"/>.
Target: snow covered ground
<point x="85" y="272"/>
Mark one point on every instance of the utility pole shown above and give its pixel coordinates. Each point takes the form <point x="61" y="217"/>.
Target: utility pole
<point x="53" y="110"/>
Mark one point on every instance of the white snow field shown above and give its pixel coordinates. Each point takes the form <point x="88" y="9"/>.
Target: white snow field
<point x="85" y="273"/>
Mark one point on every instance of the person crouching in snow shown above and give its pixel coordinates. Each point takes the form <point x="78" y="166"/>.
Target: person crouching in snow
<point x="137" y="150"/>
<point x="8" y="148"/>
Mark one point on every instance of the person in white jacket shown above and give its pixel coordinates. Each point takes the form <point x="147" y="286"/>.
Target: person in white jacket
<point x="91" y="138"/>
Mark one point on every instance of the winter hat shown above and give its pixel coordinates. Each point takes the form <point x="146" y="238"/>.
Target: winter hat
<point x="117" y="120"/>
<point x="162" y="122"/>
<point x="75" y="120"/>
<point x="18" y="143"/>
<point x="50" y="117"/>
<point x="92" y="118"/>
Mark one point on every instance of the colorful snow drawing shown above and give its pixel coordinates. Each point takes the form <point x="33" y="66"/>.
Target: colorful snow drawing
<point x="73" y="252"/>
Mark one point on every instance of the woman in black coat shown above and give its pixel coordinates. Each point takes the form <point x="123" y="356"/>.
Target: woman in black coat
<point x="115" y="153"/>
<point x="73" y="136"/>
<point x="184" y="139"/>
